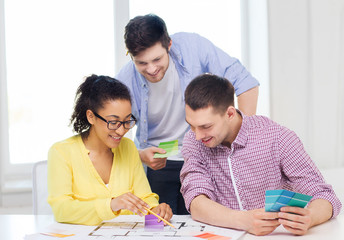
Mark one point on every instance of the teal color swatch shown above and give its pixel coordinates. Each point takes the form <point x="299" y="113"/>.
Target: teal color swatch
<point x="275" y="199"/>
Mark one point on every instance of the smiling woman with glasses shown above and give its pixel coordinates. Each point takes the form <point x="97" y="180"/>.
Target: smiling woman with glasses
<point x="97" y="174"/>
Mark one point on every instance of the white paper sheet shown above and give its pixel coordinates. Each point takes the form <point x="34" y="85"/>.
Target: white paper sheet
<point x="129" y="227"/>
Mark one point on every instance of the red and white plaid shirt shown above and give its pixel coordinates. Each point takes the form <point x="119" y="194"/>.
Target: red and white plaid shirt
<point x="264" y="156"/>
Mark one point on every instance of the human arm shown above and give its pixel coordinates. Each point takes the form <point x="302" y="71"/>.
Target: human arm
<point x="300" y="220"/>
<point x="257" y="222"/>
<point x="302" y="175"/>
<point x="203" y="197"/>
<point x="140" y="195"/>
<point x="142" y="188"/>
<point x="147" y="157"/>
<point x="136" y="205"/>
<point x="220" y="63"/>
<point x="70" y="194"/>
<point x="247" y="101"/>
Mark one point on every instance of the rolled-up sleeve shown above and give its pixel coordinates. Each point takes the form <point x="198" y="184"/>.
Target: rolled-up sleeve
<point x="194" y="176"/>
<point x="220" y="63"/>
<point x="302" y="173"/>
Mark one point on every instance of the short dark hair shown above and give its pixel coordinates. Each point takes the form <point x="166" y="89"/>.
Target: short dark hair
<point x="92" y="94"/>
<point x="209" y="90"/>
<point x="143" y="32"/>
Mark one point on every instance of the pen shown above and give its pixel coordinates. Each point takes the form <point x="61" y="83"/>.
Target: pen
<point x="151" y="212"/>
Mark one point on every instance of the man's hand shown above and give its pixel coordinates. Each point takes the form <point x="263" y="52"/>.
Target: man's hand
<point x="296" y="220"/>
<point x="147" y="155"/>
<point x="300" y="220"/>
<point x="259" y="222"/>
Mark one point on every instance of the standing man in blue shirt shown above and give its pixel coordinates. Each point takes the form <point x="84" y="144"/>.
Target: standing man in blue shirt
<point x="161" y="68"/>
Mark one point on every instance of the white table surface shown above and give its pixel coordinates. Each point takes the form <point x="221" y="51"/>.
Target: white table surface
<point x="330" y="230"/>
<point x="14" y="227"/>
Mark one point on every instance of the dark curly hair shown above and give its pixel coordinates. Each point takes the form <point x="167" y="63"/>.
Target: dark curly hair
<point x="143" y="32"/>
<point x="92" y="94"/>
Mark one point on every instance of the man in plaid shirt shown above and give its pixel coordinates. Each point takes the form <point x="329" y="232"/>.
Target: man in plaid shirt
<point x="232" y="159"/>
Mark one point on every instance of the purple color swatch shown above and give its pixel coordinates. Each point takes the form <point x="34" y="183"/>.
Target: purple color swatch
<point x="152" y="224"/>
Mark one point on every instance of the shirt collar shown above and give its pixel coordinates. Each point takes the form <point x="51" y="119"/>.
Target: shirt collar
<point x="175" y="54"/>
<point x="241" y="138"/>
<point x="177" y="57"/>
<point x="142" y="79"/>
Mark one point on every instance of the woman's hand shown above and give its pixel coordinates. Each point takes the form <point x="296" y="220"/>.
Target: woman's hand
<point x="131" y="202"/>
<point x="164" y="211"/>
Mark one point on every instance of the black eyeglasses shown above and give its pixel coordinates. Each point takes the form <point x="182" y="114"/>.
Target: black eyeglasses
<point x="114" y="125"/>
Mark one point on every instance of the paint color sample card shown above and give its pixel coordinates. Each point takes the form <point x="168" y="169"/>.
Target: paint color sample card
<point x="170" y="147"/>
<point x="275" y="199"/>
<point x="211" y="236"/>
<point x="152" y="224"/>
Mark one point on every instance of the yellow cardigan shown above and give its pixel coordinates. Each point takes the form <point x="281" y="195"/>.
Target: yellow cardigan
<point x="78" y="195"/>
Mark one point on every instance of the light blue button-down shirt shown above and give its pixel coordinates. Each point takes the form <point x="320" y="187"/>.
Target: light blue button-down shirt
<point x="193" y="55"/>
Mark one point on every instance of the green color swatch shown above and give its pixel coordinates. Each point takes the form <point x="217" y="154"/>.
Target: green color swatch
<point x="170" y="147"/>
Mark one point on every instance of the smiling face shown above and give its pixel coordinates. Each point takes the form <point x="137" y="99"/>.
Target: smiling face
<point x="211" y="127"/>
<point x="113" y="110"/>
<point x="153" y="62"/>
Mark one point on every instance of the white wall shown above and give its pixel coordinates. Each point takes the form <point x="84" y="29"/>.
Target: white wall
<point x="3" y="96"/>
<point x="306" y="54"/>
<point x="306" y="70"/>
<point x="256" y="48"/>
